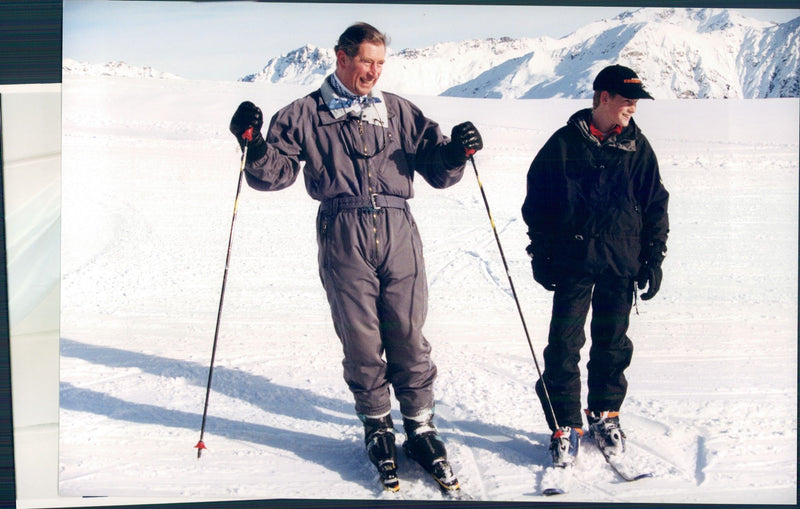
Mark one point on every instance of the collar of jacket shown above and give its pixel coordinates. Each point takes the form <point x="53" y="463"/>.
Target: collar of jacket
<point x="626" y="140"/>
<point x="375" y="114"/>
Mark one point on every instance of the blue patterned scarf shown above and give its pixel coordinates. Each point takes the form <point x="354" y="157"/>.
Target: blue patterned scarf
<point x="346" y="98"/>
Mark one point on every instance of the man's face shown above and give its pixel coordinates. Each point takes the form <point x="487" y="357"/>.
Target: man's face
<point x="360" y="73"/>
<point x="619" y="109"/>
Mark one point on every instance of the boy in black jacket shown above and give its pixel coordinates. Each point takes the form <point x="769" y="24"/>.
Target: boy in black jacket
<point x="596" y="211"/>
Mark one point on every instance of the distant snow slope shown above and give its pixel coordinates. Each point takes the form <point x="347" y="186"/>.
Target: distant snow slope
<point x="72" y="67"/>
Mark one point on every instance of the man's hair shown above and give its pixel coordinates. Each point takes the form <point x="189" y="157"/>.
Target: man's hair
<point x="596" y="97"/>
<point x="352" y="38"/>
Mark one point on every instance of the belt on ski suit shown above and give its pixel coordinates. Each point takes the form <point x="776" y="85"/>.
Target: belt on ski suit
<point x="372" y="202"/>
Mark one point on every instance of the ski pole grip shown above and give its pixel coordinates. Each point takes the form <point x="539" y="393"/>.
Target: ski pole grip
<point x="248" y="135"/>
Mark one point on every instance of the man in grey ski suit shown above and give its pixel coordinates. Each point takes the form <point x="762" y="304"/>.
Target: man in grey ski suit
<point x="358" y="149"/>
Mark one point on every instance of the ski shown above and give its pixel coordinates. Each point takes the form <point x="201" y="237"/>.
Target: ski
<point x="565" y="445"/>
<point x="610" y="440"/>
<point x="624" y="468"/>
<point x="557" y="480"/>
<point x="457" y="494"/>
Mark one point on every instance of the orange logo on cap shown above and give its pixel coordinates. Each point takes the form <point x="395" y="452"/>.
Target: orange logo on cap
<point x="632" y="80"/>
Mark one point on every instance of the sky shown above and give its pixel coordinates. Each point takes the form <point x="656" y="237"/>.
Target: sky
<point x="228" y="40"/>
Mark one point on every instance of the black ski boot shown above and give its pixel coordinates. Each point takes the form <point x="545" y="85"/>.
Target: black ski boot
<point x="379" y="439"/>
<point x="608" y="435"/>
<point x="564" y="446"/>
<point x="424" y="445"/>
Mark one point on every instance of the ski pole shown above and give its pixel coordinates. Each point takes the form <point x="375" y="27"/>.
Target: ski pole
<point x="247" y="136"/>
<point x="513" y="290"/>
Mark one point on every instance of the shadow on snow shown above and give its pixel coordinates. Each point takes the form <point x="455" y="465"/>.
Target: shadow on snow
<point x="513" y="445"/>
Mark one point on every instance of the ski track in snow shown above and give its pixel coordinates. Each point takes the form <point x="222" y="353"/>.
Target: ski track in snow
<point x="146" y="211"/>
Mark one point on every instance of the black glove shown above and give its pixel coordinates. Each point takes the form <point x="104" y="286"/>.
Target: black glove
<point x="249" y="115"/>
<point x="465" y="140"/>
<point x="650" y="273"/>
<point x="542" y="265"/>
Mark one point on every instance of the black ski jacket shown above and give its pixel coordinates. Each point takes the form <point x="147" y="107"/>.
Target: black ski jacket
<point x="591" y="206"/>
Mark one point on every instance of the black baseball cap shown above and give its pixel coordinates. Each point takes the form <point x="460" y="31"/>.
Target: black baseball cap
<point x="621" y="80"/>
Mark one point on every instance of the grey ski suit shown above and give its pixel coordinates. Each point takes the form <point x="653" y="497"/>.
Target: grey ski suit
<point x="360" y="166"/>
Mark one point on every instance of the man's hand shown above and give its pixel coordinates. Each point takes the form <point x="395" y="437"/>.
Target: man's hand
<point x="249" y="115"/>
<point x="465" y="140"/>
<point x="542" y="266"/>
<point x="650" y="274"/>
<point x="649" y="277"/>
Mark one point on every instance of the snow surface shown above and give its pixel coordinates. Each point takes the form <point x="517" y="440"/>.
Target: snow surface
<point x="149" y="179"/>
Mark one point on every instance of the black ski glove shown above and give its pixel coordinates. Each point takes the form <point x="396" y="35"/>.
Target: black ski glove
<point x="249" y="115"/>
<point x="542" y="265"/>
<point x="650" y="273"/>
<point x="465" y="140"/>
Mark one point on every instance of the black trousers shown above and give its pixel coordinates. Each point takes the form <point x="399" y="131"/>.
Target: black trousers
<point x="610" y="353"/>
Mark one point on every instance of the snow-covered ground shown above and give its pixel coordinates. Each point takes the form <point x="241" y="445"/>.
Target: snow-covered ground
<point x="149" y="180"/>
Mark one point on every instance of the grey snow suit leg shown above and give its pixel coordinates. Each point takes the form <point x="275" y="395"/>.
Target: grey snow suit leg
<point x="610" y="353"/>
<point x="371" y="266"/>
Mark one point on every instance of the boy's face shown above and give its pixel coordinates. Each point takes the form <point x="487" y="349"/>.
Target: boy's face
<point x="360" y="73"/>
<point x="618" y="109"/>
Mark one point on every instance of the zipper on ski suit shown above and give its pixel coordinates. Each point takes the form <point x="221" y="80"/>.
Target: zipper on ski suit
<point x="374" y="210"/>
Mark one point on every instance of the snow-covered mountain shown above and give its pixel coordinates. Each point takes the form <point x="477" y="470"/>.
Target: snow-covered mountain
<point x="121" y="69"/>
<point x="679" y="53"/>
<point x="303" y="66"/>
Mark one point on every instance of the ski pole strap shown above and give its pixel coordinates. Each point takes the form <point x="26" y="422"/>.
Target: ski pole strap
<point x="370" y="202"/>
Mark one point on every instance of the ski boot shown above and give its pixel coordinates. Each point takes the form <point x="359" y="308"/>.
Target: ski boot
<point x="379" y="439"/>
<point x="564" y="446"/>
<point x="424" y="445"/>
<point x="604" y="428"/>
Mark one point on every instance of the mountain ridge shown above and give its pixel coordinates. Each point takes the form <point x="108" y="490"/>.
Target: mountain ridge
<point x="679" y="53"/>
